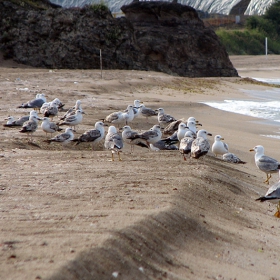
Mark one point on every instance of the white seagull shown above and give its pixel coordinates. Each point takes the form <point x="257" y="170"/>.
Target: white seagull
<point x="219" y="147"/>
<point x="264" y="163"/>
<point x="49" y="127"/>
<point x="113" y="142"/>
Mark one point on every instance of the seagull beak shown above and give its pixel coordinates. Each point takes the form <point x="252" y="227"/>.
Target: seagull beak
<point x="198" y="124"/>
<point x="251" y="150"/>
<point x="209" y="134"/>
<point x="222" y="138"/>
<point x="83" y="113"/>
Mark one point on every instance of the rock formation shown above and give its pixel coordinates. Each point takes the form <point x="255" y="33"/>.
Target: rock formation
<point x="156" y="36"/>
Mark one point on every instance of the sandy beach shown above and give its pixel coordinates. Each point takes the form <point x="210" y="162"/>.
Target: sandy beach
<point x="70" y="213"/>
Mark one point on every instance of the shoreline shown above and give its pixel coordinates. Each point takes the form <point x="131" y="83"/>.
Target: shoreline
<point x="70" y="213"/>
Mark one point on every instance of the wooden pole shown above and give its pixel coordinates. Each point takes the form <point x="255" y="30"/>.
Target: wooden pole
<point x="101" y="62"/>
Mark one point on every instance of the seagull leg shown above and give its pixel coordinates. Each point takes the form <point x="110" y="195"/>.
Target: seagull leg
<point x="267" y="178"/>
<point x="119" y="156"/>
<point x="277" y="214"/>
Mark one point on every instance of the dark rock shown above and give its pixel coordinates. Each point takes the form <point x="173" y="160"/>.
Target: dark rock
<point x="156" y="36"/>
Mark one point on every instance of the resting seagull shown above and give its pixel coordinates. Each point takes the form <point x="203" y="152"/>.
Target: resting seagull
<point x="273" y="195"/>
<point x="163" y="118"/>
<point x="232" y="158"/>
<point x="34" y="103"/>
<point x="93" y="135"/>
<point x="266" y="164"/>
<point x="64" y="137"/>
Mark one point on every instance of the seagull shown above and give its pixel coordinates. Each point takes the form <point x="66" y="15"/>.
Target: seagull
<point x="266" y="164"/>
<point x="73" y="120"/>
<point x="150" y="136"/>
<point x="49" y="127"/>
<point x="34" y="103"/>
<point x="182" y="129"/>
<point x="115" y="118"/>
<point x="41" y="96"/>
<point x="200" y="146"/>
<point x="46" y="105"/>
<point x="162" y="145"/>
<point x="186" y="143"/>
<point x="11" y="122"/>
<point x="232" y="158"/>
<point x="136" y="108"/>
<point x="93" y="135"/>
<point x="219" y="147"/>
<point x="51" y="110"/>
<point x="163" y="118"/>
<point x="72" y="110"/>
<point x="64" y="137"/>
<point x="127" y="133"/>
<point x="147" y="112"/>
<point x="30" y="126"/>
<point x="273" y="195"/>
<point x="113" y="142"/>
<point x="128" y="115"/>
<point x="172" y="127"/>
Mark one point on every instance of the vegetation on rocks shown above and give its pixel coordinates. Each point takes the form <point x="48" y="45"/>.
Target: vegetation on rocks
<point x="251" y="39"/>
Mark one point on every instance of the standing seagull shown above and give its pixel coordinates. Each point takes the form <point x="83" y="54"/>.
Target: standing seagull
<point x="49" y="127"/>
<point x="92" y="135"/>
<point x="64" y="137"/>
<point x="73" y="120"/>
<point x="56" y="101"/>
<point x="127" y="134"/>
<point x="266" y="164"/>
<point x="201" y="145"/>
<point x="219" y="147"/>
<point x="273" y="195"/>
<point x="136" y="108"/>
<point x="51" y="110"/>
<point x="72" y="111"/>
<point x="113" y="142"/>
<point x="150" y="136"/>
<point x="186" y="143"/>
<point x="128" y="115"/>
<point x="30" y="126"/>
<point x="147" y="112"/>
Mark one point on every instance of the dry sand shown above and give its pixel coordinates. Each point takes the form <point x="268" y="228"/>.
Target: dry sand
<point x="69" y="213"/>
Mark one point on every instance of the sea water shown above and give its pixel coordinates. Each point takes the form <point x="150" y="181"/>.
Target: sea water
<point x="263" y="105"/>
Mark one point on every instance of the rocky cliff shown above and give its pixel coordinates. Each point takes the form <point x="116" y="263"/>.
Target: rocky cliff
<point x="157" y="36"/>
